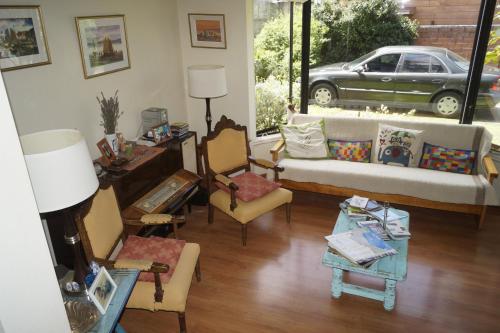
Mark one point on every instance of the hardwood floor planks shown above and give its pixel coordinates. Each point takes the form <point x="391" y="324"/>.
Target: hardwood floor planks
<point x="278" y="284"/>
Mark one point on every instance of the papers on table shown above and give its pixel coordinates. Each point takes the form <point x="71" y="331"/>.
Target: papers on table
<point x="396" y="230"/>
<point x="379" y="215"/>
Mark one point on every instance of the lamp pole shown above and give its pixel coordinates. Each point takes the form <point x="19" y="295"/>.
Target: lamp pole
<point x="208" y="116"/>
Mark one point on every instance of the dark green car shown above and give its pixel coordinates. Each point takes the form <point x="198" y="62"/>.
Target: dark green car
<point x="421" y="77"/>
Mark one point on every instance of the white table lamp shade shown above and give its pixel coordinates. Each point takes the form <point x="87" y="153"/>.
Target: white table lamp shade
<point x="60" y="167"/>
<point x="207" y="81"/>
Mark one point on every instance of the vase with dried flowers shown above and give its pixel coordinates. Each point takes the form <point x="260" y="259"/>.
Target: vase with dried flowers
<point x="110" y="112"/>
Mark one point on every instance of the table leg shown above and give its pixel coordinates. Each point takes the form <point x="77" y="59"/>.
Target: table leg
<point x="337" y="282"/>
<point x="390" y="294"/>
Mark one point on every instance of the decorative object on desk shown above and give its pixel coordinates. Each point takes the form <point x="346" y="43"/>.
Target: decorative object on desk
<point x="82" y="316"/>
<point x="161" y="133"/>
<point x="103" y="44"/>
<point x="108" y="155"/>
<point x="153" y="117"/>
<point x="24" y="43"/>
<point x="207" y="30"/>
<point x="63" y="178"/>
<point x="102" y="290"/>
<point x="110" y="113"/>
<point x="207" y="81"/>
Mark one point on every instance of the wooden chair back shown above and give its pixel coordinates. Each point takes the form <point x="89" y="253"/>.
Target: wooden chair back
<point x="226" y="149"/>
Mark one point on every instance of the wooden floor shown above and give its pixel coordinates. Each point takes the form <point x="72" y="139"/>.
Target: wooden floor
<point x="277" y="283"/>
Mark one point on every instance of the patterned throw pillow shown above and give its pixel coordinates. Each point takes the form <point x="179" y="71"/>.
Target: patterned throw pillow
<point x="398" y="146"/>
<point x="447" y="159"/>
<point x="305" y="140"/>
<point x="250" y="186"/>
<point x="354" y="151"/>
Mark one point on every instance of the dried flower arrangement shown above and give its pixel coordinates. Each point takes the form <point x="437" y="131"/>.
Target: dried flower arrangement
<point x="110" y="112"/>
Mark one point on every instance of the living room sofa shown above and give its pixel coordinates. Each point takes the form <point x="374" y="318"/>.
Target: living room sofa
<point x="401" y="185"/>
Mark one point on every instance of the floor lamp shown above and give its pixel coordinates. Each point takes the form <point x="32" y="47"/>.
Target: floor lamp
<point x="207" y="81"/>
<point x="63" y="179"/>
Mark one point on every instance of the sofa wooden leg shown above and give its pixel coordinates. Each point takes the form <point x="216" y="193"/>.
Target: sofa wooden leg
<point x="288" y="209"/>
<point x="182" y="322"/>
<point x="481" y="217"/>
<point x="210" y="214"/>
<point x="244" y="234"/>
<point x="198" y="270"/>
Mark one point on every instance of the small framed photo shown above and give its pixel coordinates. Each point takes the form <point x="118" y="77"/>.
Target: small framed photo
<point x="23" y="41"/>
<point x="108" y="155"/>
<point x="102" y="290"/>
<point x="161" y="132"/>
<point x="207" y="30"/>
<point x="103" y="44"/>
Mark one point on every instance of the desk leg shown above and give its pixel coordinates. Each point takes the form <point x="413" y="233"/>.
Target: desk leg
<point x="119" y="329"/>
<point x="390" y="294"/>
<point x="337" y="282"/>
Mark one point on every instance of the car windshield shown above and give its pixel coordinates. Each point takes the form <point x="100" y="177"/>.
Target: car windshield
<point x="458" y="60"/>
<point x="358" y="61"/>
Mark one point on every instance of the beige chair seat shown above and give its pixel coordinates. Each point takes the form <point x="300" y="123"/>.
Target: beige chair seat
<point x="247" y="211"/>
<point x="175" y="291"/>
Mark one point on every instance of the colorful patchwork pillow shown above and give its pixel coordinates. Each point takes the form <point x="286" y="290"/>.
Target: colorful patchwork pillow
<point x="447" y="159"/>
<point x="354" y="151"/>
<point x="305" y="140"/>
<point x="250" y="186"/>
<point x="398" y="146"/>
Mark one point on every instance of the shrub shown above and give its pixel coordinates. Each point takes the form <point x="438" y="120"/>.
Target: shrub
<point x="271" y="98"/>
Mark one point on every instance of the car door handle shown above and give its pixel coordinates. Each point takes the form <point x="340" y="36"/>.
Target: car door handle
<point x="437" y="81"/>
<point x="386" y="79"/>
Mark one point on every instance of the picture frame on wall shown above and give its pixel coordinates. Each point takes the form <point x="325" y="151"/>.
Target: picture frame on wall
<point x="23" y="40"/>
<point x="103" y="44"/>
<point x="102" y="290"/>
<point x="207" y="30"/>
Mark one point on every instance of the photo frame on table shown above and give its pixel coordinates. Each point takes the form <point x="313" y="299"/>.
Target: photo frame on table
<point x="23" y="40"/>
<point x="108" y="155"/>
<point x="103" y="44"/>
<point x="161" y="132"/>
<point x="207" y="30"/>
<point x="102" y="290"/>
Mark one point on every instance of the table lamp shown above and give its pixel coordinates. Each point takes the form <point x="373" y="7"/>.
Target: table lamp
<point x="63" y="178"/>
<point x="207" y="81"/>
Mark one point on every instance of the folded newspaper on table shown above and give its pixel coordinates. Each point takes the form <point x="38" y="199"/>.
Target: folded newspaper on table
<point x="360" y="246"/>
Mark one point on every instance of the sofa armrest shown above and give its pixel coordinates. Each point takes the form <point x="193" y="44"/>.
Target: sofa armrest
<point x="278" y="147"/>
<point x="490" y="168"/>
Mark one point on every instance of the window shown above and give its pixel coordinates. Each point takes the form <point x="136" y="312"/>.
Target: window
<point x="437" y="66"/>
<point x="386" y="63"/>
<point x="421" y="63"/>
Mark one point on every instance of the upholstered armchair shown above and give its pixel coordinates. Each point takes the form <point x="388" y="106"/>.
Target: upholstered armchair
<point x="166" y="265"/>
<point x="226" y="151"/>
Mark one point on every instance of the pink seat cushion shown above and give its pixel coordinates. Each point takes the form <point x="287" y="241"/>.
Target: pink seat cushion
<point x="250" y="186"/>
<point x="159" y="249"/>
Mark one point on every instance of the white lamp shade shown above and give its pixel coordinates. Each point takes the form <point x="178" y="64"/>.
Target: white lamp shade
<point x="207" y="81"/>
<point x="60" y="167"/>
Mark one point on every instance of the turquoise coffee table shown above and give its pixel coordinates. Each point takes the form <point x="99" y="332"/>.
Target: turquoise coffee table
<point x="392" y="269"/>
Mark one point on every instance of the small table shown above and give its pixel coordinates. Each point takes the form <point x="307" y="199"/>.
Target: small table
<point x="392" y="268"/>
<point x="125" y="280"/>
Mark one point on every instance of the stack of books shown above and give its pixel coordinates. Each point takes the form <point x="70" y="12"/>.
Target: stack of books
<point x="179" y="129"/>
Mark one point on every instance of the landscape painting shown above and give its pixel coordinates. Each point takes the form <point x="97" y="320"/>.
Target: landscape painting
<point x="103" y="44"/>
<point x="22" y="38"/>
<point x="207" y="30"/>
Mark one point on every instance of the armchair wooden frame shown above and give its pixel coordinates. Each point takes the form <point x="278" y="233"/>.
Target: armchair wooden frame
<point x="143" y="265"/>
<point x="479" y="211"/>
<point x="222" y="176"/>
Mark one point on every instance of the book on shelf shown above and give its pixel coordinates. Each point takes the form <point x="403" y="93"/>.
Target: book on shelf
<point x="360" y="246"/>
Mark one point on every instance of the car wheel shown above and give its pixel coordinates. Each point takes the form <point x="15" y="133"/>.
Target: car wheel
<point x="323" y="94"/>
<point x="447" y="105"/>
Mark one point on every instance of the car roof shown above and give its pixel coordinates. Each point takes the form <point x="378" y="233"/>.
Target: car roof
<point x="413" y="48"/>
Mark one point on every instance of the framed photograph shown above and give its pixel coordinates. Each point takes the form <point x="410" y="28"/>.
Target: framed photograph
<point x="207" y="30"/>
<point x="161" y="132"/>
<point x="103" y="44"/>
<point x="23" y="41"/>
<point x="102" y="290"/>
<point x="108" y="155"/>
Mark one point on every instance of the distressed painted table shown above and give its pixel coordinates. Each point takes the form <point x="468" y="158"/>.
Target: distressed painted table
<point x="392" y="268"/>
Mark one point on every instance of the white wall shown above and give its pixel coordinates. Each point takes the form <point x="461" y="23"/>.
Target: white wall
<point x="238" y="104"/>
<point x="58" y="96"/>
<point x="30" y="300"/>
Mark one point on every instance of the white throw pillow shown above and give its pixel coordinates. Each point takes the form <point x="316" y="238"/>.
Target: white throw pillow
<point x="398" y="146"/>
<point x="305" y="140"/>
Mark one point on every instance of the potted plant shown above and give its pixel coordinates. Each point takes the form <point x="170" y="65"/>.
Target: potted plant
<point x="110" y="112"/>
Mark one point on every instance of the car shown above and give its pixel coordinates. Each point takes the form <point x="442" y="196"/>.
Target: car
<point x="421" y="77"/>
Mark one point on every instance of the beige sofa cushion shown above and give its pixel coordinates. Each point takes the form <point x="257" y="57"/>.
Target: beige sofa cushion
<point x="415" y="182"/>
